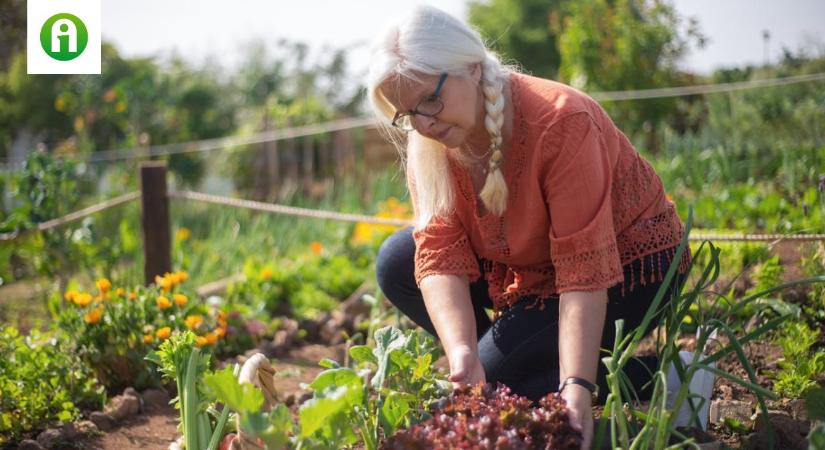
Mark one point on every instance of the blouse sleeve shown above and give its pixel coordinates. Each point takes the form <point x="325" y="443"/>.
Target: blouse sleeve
<point x="577" y="180"/>
<point x="441" y="246"/>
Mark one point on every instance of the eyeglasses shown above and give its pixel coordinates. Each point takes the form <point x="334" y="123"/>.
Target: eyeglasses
<point x="429" y="106"/>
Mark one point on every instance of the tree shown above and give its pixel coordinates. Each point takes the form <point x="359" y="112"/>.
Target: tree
<point x="521" y="30"/>
<point x="615" y="45"/>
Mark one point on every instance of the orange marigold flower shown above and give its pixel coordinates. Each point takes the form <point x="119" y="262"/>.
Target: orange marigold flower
<point x="183" y="276"/>
<point x="132" y="295"/>
<point x="70" y="296"/>
<point x="316" y="247"/>
<point x="266" y="273"/>
<point x="193" y="321"/>
<point x="211" y="338"/>
<point x="163" y="302"/>
<point x="180" y="299"/>
<point x="164" y="282"/>
<point x="200" y="341"/>
<point x="220" y="332"/>
<point x="93" y="316"/>
<point x="82" y="299"/>
<point x="103" y="285"/>
<point x="163" y="333"/>
<point x="148" y="339"/>
<point x="120" y="292"/>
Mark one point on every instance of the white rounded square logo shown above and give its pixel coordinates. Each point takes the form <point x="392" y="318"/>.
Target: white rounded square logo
<point x="63" y="36"/>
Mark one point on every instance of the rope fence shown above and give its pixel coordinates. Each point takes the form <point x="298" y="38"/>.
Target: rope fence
<point x="349" y="217"/>
<point x="361" y="122"/>
<point x="74" y="216"/>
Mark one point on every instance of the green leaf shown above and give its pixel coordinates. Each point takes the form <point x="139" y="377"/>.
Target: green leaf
<point x="393" y="411"/>
<point x="336" y="378"/>
<point x="329" y="363"/>
<point x="387" y="340"/>
<point x="362" y="354"/>
<point x="423" y="364"/>
<point x="816" y="438"/>
<point x="815" y="403"/>
<point x="329" y="409"/>
<point x="242" y="398"/>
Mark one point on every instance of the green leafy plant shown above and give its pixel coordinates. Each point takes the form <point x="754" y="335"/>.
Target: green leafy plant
<point x="632" y="428"/>
<point x="41" y="382"/>
<point x="799" y="365"/>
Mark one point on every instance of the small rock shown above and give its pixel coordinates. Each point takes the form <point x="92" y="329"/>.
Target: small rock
<point x="122" y="406"/>
<point x="289" y="400"/>
<point x="155" y="399"/>
<point x="69" y="431"/>
<point x="86" y="427"/>
<point x="49" y="438"/>
<point x="29" y="444"/>
<point x="132" y="392"/>
<point x="102" y="420"/>
<point x="735" y="409"/>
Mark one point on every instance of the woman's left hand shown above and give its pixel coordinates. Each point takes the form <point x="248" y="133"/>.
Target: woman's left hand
<point x="580" y="407"/>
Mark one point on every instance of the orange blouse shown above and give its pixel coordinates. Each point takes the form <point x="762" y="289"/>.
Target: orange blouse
<point x="582" y="204"/>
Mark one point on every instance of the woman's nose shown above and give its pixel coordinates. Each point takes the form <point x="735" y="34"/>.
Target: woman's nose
<point x="423" y="123"/>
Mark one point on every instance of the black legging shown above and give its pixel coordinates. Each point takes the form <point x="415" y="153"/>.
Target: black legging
<point x="520" y="348"/>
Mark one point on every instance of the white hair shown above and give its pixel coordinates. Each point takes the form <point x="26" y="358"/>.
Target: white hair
<point x="433" y="42"/>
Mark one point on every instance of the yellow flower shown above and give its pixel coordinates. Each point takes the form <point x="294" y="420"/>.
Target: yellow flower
<point x="120" y="292"/>
<point x="163" y="302"/>
<point x="120" y="106"/>
<point x="163" y="333"/>
<point x="180" y="299"/>
<point x="266" y="273"/>
<point x="211" y="338"/>
<point x="83" y="299"/>
<point x="148" y="339"/>
<point x="103" y="285"/>
<point x="70" y="296"/>
<point x="193" y="321"/>
<point x="93" y="316"/>
<point x="316" y="247"/>
<point x="220" y="332"/>
<point x="133" y="296"/>
<point x="183" y="234"/>
<point x="182" y="276"/>
<point x="200" y="341"/>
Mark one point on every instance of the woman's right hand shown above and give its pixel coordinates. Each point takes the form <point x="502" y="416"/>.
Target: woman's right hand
<point x="465" y="366"/>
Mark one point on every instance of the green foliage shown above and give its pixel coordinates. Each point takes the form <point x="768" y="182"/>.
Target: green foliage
<point x="403" y="385"/>
<point x="42" y="382"/>
<point x="624" y="45"/>
<point x="800" y="365"/>
<point x="521" y="31"/>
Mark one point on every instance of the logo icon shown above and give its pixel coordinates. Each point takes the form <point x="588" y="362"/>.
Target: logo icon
<point x="64" y="37"/>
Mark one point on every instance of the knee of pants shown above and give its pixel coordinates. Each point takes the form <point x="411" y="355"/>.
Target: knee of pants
<point x="395" y="262"/>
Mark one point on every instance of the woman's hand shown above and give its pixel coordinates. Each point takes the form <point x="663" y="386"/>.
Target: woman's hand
<point x="579" y="404"/>
<point x="465" y="366"/>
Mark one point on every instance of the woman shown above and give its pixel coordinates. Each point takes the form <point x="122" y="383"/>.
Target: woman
<point x="529" y="201"/>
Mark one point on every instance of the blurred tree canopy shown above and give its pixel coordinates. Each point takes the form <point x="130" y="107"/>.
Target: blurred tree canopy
<point x="521" y="30"/>
<point x="596" y="45"/>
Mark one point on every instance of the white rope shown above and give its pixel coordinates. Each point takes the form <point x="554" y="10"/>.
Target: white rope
<point x="349" y="217"/>
<point x="288" y="210"/>
<point x="77" y="215"/>
<point x="359" y="122"/>
<point x="704" y="88"/>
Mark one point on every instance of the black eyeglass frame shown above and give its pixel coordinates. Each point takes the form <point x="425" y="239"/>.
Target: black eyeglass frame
<point x="414" y="111"/>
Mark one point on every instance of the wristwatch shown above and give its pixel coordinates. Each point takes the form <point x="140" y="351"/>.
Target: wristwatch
<point x="593" y="388"/>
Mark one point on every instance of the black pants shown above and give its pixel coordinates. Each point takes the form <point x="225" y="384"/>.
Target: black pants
<point x="520" y="349"/>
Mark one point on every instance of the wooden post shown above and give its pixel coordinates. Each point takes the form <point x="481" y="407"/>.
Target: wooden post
<point x="157" y="242"/>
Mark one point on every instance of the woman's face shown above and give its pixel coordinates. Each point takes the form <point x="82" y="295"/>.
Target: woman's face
<point x="463" y="113"/>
